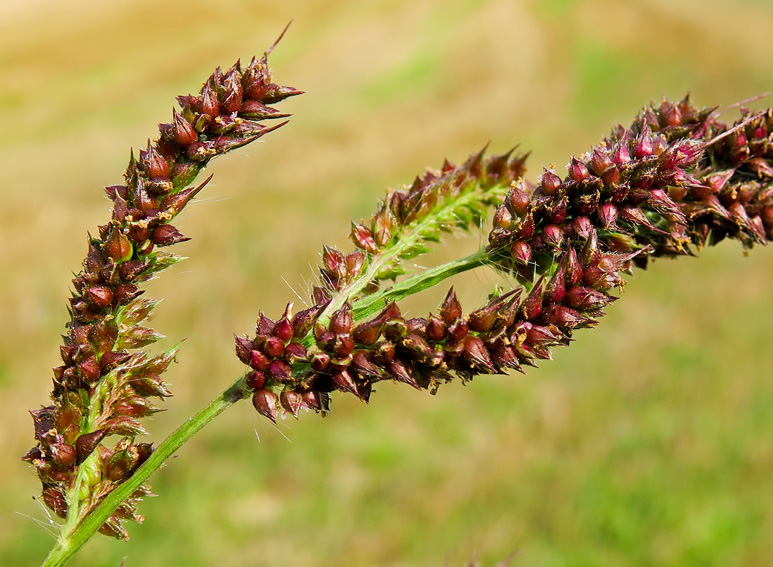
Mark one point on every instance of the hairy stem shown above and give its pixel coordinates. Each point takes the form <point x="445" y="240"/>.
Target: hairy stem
<point x="372" y="304"/>
<point x="409" y="240"/>
<point x="73" y="537"/>
<point x="75" y="534"/>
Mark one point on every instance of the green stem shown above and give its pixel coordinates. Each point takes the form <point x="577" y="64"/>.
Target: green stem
<point x="371" y="304"/>
<point x="75" y="535"/>
<point x="71" y="539"/>
<point x="412" y="236"/>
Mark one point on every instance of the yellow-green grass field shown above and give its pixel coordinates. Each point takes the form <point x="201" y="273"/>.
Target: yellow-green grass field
<point x="648" y="442"/>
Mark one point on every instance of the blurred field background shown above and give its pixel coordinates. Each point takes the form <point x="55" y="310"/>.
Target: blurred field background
<point x="648" y="442"/>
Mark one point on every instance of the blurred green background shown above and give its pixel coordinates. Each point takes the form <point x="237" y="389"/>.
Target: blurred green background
<point x="648" y="442"/>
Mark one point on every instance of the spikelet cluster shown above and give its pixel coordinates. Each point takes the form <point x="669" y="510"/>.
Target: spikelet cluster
<point x="106" y="382"/>
<point x="676" y="179"/>
<point x="297" y="360"/>
<point x="437" y="202"/>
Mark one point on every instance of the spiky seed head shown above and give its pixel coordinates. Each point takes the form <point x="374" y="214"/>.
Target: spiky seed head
<point x="363" y="237"/>
<point x="295" y="352"/>
<point x="582" y="227"/>
<point x="518" y="199"/>
<point x="86" y="443"/>
<point x="279" y="371"/>
<point x="451" y="310"/>
<point x="256" y="380"/>
<point x="532" y="305"/>
<point x="586" y="299"/>
<point x="154" y="163"/>
<point x="343" y="346"/>
<point x="274" y="347"/>
<point x="521" y="252"/>
<point x="503" y="218"/>
<point x="368" y="332"/>
<point x="600" y="161"/>
<point x="291" y="401"/>
<point x="208" y="101"/>
<point x="476" y="354"/>
<point x="183" y="131"/>
<point x="101" y="296"/>
<point x="557" y="212"/>
<point x="553" y="235"/>
<point x="266" y="402"/>
<point x="166" y="235"/>
<point x="258" y="360"/>
<point x="232" y="94"/>
<point x="577" y="170"/>
<point x="482" y="319"/>
<point x="607" y="215"/>
<point x="320" y="361"/>
<point x="311" y="399"/>
<point x="549" y="182"/>
<point x="436" y="328"/>
<point x="644" y="143"/>
<point x="117" y="246"/>
<point x="363" y="365"/>
<point x="344" y="382"/>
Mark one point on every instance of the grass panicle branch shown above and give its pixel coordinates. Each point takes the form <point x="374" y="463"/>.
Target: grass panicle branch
<point x="440" y="201"/>
<point x="677" y="179"/>
<point x="107" y="380"/>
